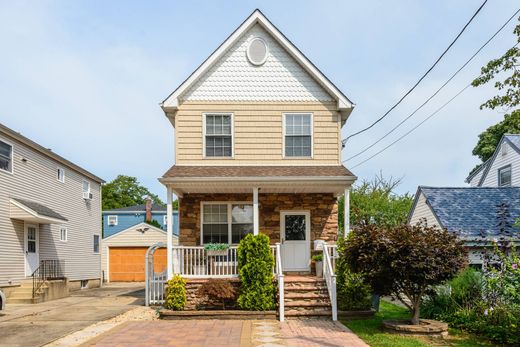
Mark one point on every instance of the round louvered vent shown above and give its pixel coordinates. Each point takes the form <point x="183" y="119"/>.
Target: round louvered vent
<point x="257" y="51"/>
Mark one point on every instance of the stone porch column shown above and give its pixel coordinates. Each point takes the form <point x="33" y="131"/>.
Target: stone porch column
<point x="169" y="232"/>
<point x="346" y="213"/>
<point x="256" y="220"/>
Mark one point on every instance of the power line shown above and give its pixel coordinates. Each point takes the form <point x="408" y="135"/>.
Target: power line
<point x="420" y="79"/>
<point x="415" y="127"/>
<point x="437" y="91"/>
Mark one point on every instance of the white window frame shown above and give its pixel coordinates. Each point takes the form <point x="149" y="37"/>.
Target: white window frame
<point x="66" y="233"/>
<point x="231" y="114"/>
<point x="12" y="157"/>
<point x="94" y="243"/>
<point x="165" y="219"/>
<point x="83" y="187"/>
<point x="112" y="216"/>
<point x="229" y="217"/>
<point x="284" y="129"/>
<point x="62" y="170"/>
<point x="510" y="174"/>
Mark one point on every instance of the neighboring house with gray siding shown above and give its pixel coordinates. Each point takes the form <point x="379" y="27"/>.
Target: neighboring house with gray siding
<point x="503" y="168"/>
<point x="50" y="209"/>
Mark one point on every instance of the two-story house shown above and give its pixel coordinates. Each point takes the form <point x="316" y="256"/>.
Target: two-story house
<point x="50" y="213"/>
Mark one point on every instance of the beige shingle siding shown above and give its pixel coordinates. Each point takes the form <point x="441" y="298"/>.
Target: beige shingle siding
<point x="422" y="211"/>
<point x="512" y="157"/>
<point x="258" y="137"/>
<point x="36" y="180"/>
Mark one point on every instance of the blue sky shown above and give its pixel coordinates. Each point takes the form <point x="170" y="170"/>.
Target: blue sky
<point x="85" y="77"/>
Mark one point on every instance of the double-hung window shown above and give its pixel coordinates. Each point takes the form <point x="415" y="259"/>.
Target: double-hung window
<point x="61" y="174"/>
<point x="63" y="234"/>
<point x="96" y="244"/>
<point x="112" y="220"/>
<point x="298" y="135"/>
<point x="6" y="157"/>
<point x="226" y="222"/>
<point x="218" y="135"/>
<point x="504" y="176"/>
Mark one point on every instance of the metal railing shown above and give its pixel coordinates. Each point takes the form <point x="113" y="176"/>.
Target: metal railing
<point x="49" y="269"/>
<point x="279" y="274"/>
<point x="330" y="278"/>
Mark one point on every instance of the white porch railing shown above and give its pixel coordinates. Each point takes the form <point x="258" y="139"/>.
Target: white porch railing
<point x="197" y="262"/>
<point x="329" y="264"/>
<point x="279" y="274"/>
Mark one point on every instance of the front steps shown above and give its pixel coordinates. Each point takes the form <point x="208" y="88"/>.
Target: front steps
<point x="306" y="297"/>
<point x="23" y="294"/>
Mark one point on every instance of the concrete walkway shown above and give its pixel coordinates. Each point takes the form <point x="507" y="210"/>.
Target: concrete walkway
<point x="39" y="324"/>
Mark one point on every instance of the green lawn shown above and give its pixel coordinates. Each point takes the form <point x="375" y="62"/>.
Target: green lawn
<point x="370" y="331"/>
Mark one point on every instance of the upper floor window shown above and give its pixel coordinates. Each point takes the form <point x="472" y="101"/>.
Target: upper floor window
<point x="112" y="220"/>
<point x="218" y="136"/>
<point x="96" y="243"/>
<point x="86" y="190"/>
<point x="504" y="176"/>
<point x="63" y="234"/>
<point x="6" y="157"/>
<point x="61" y="174"/>
<point x="298" y="135"/>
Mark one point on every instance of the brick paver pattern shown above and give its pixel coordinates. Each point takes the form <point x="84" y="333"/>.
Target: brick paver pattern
<point x="318" y="332"/>
<point x="191" y="333"/>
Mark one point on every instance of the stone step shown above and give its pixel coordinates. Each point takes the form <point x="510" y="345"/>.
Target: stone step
<point x="11" y="300"/>
<point x="306" y="295"/>
<point x="307" y="304"/>
<point x="303" y="279"/>
<point x="307" y="313"/>
<point x="306" y="289"/>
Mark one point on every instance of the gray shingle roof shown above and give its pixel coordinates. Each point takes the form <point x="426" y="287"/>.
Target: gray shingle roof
<point x="40" y="209"/>
<point x="139" y="208"/>
<point x="472" y="211"/>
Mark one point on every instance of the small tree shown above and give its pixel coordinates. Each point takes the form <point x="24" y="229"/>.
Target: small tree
<point x="404" y="260"/>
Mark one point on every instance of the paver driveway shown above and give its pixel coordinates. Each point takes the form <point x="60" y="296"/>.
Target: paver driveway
<point x="38" y="324"/>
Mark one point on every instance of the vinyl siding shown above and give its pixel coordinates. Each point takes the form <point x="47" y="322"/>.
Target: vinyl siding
<point x="36" y="180"/>
<point x="126" y="220"/>
<point x="476" y="179"/>
<point x="132" y="238"/>
<point x="258" y="134"/>
<point x="423" y="211"/>
<point x="512" y="157"/>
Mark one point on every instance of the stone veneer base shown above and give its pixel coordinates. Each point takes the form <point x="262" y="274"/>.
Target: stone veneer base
<point x="427" y="327"/>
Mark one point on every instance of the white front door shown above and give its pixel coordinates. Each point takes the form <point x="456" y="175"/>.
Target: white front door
<point x="32" y="248"/>
<point x="295" y="234"/>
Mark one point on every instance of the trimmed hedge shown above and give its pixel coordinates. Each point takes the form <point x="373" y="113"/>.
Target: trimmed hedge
<point x="175" y="294"/>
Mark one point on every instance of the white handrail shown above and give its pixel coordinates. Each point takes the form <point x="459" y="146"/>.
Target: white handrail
<point x="279" y="273"/>
<point x="330" y="279"/>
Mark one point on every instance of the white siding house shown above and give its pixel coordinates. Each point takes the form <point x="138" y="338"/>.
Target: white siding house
<point x="50" y="209"/>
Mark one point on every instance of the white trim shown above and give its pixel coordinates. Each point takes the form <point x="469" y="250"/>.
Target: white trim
<point x="232" y="115"/>
<point x="12" y="157"/>
<point x="271" y="179"/>
<point x="284" y="135"/>
<point x="108" y="264"/>
<point x="169" y="233"/>
<point x="344" y="104"/>
<point x="25" y="244"/>
<point x="256" y="219"/>
<point x="346" y="212"/>
<point x="83" y="188"/>
<point x="62" y="170"/>
<point x="165" y="219"/>
<point x="66" y="234"/>
<point x="36" y="214"/>
<point x="134" y="227"/>
<point x="308" y="227"/>
<point x="260" y="63"/>
<point x="112" y="216"/>
<point x="229" y="217"/>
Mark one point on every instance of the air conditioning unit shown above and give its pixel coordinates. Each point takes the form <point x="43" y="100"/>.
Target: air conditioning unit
<point x="87" y="196"/>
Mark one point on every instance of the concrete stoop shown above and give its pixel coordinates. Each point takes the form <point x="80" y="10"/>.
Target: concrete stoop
<point x="306" y="297"/>
<point x="50" y="290"/>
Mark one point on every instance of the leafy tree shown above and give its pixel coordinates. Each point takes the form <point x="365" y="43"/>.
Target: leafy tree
<point x="505" y="68"/>
<point x="375" y="202"/>
<point x="405" y="260"/>
<point x="154" y="223"/>
<point x="126" y="191"/>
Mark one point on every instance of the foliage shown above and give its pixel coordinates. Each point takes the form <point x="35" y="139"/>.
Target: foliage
<point x="218" y="289"/>
<point x="154" y="223"/>
<point x="375" y="202"/>
<point x="404" y="260"/>
<point x="216" y="246"/>
<point x="125" y="191"/>
<point x="486" y="303"/>
<point x="255" y="263"/>
<point x="352" y="291"/>
<point x="317" y="257"/>
<point x="175" y="298"/>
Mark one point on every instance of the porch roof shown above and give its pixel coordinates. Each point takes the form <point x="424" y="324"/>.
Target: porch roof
<point x="270" y="179"/>
<point x="34" y="212"/>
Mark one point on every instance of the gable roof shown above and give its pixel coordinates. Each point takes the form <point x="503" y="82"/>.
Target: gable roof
<point x="471" y="212"/>
<point x="171" y="103"/>
<point x="38" y="211"/>
<point x="138" y="208"/>
<point x="139" y="225"/>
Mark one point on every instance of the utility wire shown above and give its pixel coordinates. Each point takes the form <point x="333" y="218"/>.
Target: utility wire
<point x="415" y="127"/>
<point x="420" y="79"/>
<point x="437" y="91"/>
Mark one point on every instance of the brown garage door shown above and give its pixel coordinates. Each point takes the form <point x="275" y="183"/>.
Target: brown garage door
<point x="127" y="264"/>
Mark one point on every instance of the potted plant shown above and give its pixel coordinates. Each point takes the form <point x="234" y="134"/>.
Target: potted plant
<point x="216" y="249"/>
<point x="318" y="260"/>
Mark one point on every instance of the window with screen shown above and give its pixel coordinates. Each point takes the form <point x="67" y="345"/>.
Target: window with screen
<point x="298" y="135"/>
<point x="504" y="176"/>
<point x="6" y="157"/>
<point x="218" y="135"/>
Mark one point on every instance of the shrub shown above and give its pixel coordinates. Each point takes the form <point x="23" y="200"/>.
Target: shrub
<point x="404" y="260"/>
<point x="317" y="257"/>
<point x="218" y="289"/>
<point x="176" y="294"/>
<point x="255" y="263"/>
<point x="353" y="293"/>
<point x="154" y="223"/>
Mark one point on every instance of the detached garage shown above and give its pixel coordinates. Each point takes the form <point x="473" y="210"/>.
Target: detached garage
<point x="123" y="254"/>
